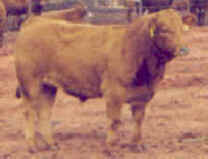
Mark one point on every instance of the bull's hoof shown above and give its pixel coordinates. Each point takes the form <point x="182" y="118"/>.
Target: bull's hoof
<point x="32" y="149"/>
<point x="136" y="148"/>
<point x="112" y="138"/>
<point x="54" y="147"/>
<point x="112" y="142"/>
<point x="47" y="147"/>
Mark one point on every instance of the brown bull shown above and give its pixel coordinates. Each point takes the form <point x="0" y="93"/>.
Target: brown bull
<point x="122" y="64"/>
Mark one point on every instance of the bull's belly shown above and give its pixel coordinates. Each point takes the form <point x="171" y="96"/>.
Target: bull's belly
<point x="82" y="88"/>
<point x="83" y="93"/>
<point x="90" y="87"/>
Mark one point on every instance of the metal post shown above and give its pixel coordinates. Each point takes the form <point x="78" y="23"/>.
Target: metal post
<point x="141" y="8"/>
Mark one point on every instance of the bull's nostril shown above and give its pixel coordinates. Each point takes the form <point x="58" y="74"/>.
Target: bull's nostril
<point x="184" y="51"/>
<point x="90" y="14"/>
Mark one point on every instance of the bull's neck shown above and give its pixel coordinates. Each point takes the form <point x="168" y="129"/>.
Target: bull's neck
<point x="137" y="47"/>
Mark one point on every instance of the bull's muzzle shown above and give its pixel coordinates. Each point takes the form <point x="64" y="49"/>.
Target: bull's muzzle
<point x="184" y="51"/>
<point x="90" y="14"/>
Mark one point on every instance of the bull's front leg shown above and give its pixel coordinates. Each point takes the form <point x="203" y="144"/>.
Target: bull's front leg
<point x="114" y="95"/>
<point x="138" y="113"/>
<point x="113" y="111"/>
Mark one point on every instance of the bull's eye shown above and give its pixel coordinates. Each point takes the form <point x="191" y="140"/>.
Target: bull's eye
<point x="164" y="29"/>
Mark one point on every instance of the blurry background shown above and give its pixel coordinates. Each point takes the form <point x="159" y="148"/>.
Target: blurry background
<point x="115" y="11"/>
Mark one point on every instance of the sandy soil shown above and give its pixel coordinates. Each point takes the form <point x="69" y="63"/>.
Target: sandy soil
<point x="175" y="126"/>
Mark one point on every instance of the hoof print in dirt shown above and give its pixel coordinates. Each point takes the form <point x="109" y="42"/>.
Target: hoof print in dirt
<point x="6" y="156"/>
<point x="45" y="147"/>
<point x="109" y="153"/>
<point x="54" y="147"/>
<point x="136" y="148"/>
<point x="112" y="144"/>
<point x="32" y="150"/>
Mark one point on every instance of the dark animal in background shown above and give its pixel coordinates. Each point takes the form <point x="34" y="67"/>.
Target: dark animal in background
<point x="18" y="8"/>
<point x="150" y="5"/>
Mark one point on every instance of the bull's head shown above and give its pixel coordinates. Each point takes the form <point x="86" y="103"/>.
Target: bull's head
<point x="166" y="31"/>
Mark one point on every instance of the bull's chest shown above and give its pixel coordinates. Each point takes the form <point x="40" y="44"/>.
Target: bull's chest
<point x="149" y="74"/>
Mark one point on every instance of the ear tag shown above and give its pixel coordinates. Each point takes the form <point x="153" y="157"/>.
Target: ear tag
<point x="186" y="28"/>
<point x="152" y="31"/>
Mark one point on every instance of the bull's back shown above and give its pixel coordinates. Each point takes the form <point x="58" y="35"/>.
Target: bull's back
<point x="68" y="55"/>
<point x="65" y="39"/>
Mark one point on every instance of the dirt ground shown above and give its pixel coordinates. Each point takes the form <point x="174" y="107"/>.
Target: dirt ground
<point x="175" y="126"/>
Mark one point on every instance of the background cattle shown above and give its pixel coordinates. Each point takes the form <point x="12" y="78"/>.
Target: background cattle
<point x="199" y="8"/>
<point x="181" y="5"/>
<point x="151" y="5"/>
<point x="196" y="7"/>
<point x="17" y="8"/>
<point x="75" y="14"/>
<point x="156" y="5"/>
<point x="184" y="8"/>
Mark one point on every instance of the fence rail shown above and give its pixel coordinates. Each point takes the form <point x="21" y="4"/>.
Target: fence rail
<point x="198" y="6"/>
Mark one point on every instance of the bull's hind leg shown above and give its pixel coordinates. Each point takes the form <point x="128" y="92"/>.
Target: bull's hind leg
<point x="38" y="100"/>
<point x="113" y="109"/>
<point x="46" y="101"/>
<point x="30" y="94"/>
<point x="30" y="116"/>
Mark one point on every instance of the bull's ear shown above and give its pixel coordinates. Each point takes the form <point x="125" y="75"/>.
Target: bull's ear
<point x="152" y="31"/>
<point x="152" y="28"/>
<point x="186" y="27"/>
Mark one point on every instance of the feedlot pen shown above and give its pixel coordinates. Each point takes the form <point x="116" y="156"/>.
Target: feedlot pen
<point x="175" y="125"/>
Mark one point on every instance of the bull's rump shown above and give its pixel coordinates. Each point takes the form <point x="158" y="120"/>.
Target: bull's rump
<point x="72" y="56"/>
<point x="2" y="16"/>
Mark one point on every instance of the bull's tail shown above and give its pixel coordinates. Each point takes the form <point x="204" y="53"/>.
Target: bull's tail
<point x="18" y="92"/>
